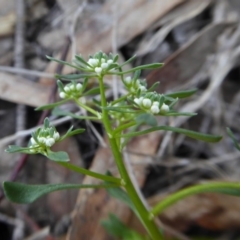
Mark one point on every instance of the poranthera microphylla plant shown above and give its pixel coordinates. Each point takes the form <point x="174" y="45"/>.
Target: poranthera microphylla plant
<point x="122" y="119"/>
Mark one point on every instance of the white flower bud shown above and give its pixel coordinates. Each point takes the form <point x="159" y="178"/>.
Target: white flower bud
<point x="98" y="70"/>
<point x="93" y="62"/>
<point x="104" y="65"/>
<point x="164" y="108"/>
<point x="41" y="139"/>
<point x="128" y="80"/>
<point x="33" y="142"/>
<point x="49" y="142"/>
<point x="155" y="109"/>
<point x="62" y="95"/>
<point x="72" y="87"/>
<point x="67" y="89"/>
<point x="109" y="61"/>
<point x="137" y="101"/>
<point x="156" y="103"/>
<point x="142" y="88"/>
<point x="103" y="60"/>
<point x="56" y="136"/>
<point x="138" y="83"/>
<point x="147" y="102"/>
<point x="79" y="86"/>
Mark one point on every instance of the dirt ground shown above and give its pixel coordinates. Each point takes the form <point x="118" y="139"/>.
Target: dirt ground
<point x="199" y="43"/>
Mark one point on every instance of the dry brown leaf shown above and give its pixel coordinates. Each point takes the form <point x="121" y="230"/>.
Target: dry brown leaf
<point x="97" y="29"/>
<point x="16" y="89"/>
<point x="178" y="15"/>
<point x="180" y="67"/>
<point x="211" y="211"/>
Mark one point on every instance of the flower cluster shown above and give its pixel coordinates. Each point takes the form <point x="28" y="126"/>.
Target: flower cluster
<point x="71" y="90"/>
<point x="43" y="138"/>
<point x="135" y="85"/>
<point x="153" y="106"/>
<point x="101" y="63"/>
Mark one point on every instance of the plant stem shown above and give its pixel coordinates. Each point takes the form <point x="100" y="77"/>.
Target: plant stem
<point x="143" y="213"/>
<point x="90" y="173"/>
<point x="87" y="108"/>
<point x="123" y="127"/>
<point x="222" y="187"/>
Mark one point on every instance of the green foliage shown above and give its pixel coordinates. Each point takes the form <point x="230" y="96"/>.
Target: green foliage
<point x="121" y="118"/>
<point x="25" y="193"/>
<point x="229" y="188"/>
<point x="117" y="229"/>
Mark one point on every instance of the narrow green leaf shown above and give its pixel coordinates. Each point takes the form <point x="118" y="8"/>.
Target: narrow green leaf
<point x="147" y="66"/>
<point x="153" y="87"/>
<point x="119" y="109"/>
<point x="129" y="60"/>
<point x="116" y="228"/>
<point x="59" y="112"/>
<point x="136" y="75"/>
<point x="61" y="62"/>
<point x="220" y="187"/>
<point x="188" y="114"/>
<point x="24" y="193"/>
<point x="80" y="59"/>
<point x="192" y="134"/>
<point x="76" y="131"/>
<point x="51" y="105"/>
<point x="182" y="94"/>
<point x="77" y="169"/>
<point x="121" y="195"/>
<point x="235" y="142"/>
<point x="75" y="76"/>
<point x="94" y="91"/>
<point x="57" y="156"/>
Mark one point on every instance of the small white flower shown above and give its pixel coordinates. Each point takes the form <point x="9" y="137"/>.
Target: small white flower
<point x="137" y="101"/>
<point x="72" y="87"/>
<point x="93" y="62"/>
<point x="109" y="61"/>
<point x="155" y="109"/>
<point x="142" y="88"/>
<point x="56" y="136"/>
<point x="138" y="83"/>
<point x="147" y="102"/>
<point x="128" y="80"/>
<point x="156" y="103"/>
<point x="79" y="86"/>
<point x="67" y="89"/>
<point x="41" y="139"/>
<point x="103" y="60"/>
<point x="62" y="95"/>
<point x="164" y="108"/>
<point x="33" y="142"/>
<point x="49" y="142"/>
<point x="104" y="65"/>
<point x="98" y="70"/>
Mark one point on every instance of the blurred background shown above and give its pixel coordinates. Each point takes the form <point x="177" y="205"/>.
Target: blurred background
<point x="199" y="43"/>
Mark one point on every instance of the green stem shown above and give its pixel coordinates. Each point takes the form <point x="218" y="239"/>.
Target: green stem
<point x="87" y="108"/>
<point x="143" y="213"/>
<point x="120" y="99"/>
<point x="90" y="173"/>
<point x="222" y="187"/>
<point x="123" y="127"/>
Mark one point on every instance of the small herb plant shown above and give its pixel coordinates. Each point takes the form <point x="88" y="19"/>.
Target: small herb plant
<point x="122" y="119"/>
